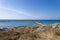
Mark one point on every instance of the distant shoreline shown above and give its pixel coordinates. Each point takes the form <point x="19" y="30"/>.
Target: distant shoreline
<point x="14" y="23"/>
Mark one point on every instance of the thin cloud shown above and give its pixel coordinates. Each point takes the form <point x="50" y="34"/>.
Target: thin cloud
<point x="20" y="12"/>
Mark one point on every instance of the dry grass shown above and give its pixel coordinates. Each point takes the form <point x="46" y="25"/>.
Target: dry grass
<point x="40" y="32"/>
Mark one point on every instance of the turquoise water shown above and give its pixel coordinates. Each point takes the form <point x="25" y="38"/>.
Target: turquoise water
<point x="13" y="23"/>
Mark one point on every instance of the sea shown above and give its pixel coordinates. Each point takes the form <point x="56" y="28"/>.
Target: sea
<point x="15" y="23"/>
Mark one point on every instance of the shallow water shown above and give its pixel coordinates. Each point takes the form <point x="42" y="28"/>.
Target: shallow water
<point x="13" y="23"/>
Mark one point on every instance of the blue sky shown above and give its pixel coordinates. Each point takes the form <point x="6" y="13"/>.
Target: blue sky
<point x="30" y="9"/>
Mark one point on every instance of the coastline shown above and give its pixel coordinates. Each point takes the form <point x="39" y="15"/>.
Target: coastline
<point x="40" y="32"/>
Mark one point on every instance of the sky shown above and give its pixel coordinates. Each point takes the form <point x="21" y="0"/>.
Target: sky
<point x="30" y="9"/>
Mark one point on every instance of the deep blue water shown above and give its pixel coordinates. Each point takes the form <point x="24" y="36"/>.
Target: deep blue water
<point x="14" y="23"/>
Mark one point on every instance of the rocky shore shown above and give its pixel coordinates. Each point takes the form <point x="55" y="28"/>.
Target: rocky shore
<point x="39" y="32"/>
